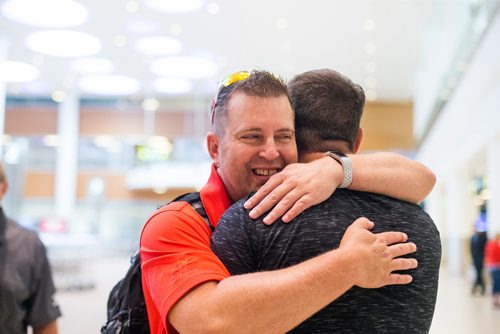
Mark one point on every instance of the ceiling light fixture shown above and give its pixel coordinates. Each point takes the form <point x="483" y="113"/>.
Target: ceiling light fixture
<point x="369" y="25"/>
<point x="371" y="95"/>
<point x="370" y="67"/>
<point x="184" y="67"/>
<point x="13" y="71"/>
<point x="158" y="45"/>
<point x="46" y="13"/>
<point x="63" y="43"/>
<point x="109" y="85"/>
<point x="213" y="8"/>
<point x="175" y="6"/>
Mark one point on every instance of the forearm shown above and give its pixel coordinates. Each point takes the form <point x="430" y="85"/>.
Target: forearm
<point x="392" y="175"/>
<point x="265" y="302"/>
<point x="50" y="328"/>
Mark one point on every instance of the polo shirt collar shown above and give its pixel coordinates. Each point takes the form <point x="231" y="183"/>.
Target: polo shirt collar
<point x="215" y="197"/>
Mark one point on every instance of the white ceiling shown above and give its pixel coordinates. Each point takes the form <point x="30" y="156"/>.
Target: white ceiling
<point x="284" y="36"/>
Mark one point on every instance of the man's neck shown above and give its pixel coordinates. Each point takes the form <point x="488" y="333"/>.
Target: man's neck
<point x="305" y="157"/>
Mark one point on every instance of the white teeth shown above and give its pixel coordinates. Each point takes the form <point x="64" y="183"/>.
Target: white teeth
<point x="266" y="172"/>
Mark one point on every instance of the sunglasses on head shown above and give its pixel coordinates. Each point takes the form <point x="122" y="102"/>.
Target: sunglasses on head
<point x="226" y="82"/>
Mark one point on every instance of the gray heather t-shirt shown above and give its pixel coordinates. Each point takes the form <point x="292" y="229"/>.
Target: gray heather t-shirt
<point x="245" y="246"/>
<point x="26" y="286"/>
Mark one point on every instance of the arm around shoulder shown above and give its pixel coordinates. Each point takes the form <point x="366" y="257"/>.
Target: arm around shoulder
<point x="392" y="175"/>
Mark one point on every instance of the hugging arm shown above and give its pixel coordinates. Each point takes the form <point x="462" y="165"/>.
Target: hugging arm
<point x="301" y="185"/>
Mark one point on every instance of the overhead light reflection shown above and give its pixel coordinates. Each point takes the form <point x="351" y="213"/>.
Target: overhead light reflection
<point x="174" y="6"/>
<point x="13" y="71"/>
<point x="46" y="13"/>
<point x="63" y="43"/>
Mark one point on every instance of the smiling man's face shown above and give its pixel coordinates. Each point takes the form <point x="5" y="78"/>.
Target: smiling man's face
<point x="259" y="141"/>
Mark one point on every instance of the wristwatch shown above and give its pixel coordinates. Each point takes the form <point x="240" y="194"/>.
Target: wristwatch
<point x="346" y="163"/>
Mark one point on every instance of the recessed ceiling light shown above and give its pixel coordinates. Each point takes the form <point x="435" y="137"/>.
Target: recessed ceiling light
<point x="184" y="67"/>
<point x="172" y="85"/>
<point x="371" y="82"/>
<point x="109" y="85"/>
<point x="58" y="96"/>
<point x="213" y="8"/>
<point x="369" y="25"/>
<point x="13" y="71"/>
<point x="132" y="6"/>
<point x="174" y="6"/>
<point x="92" y="65"/>
<point x="158" y="45"/>
<point x="119" y="40"/>
<point x="150" y="104"/>
<point x="371" y="95"/>
<point x="281" y="23"/>
<point x="370" y="67"/>
<point x="46" y="13"/>
<point x="63" y="43"/>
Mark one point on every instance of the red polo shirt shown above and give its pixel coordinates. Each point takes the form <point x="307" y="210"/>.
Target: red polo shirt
<point x="176" y="254"/>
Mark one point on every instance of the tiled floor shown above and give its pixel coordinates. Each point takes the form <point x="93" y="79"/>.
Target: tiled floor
<point x="456" y="311"/>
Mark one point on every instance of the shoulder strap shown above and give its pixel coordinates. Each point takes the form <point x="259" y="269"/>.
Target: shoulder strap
<point x="194" y="200"/>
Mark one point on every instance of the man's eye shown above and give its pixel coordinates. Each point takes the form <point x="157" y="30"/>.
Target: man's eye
<point x="284" y="137"/>
<point x="250" y="137"/>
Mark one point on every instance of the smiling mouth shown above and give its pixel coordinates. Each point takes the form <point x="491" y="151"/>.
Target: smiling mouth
<point x="265" y="172"/>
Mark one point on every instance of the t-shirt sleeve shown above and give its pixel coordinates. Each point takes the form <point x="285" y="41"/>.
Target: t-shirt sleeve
<point x="232" y="241"/>
<point x="43" y="308"/>
<point x="176" y="256"/>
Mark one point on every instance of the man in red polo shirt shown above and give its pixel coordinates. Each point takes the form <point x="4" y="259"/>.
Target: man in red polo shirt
<point x="186" y="287"/>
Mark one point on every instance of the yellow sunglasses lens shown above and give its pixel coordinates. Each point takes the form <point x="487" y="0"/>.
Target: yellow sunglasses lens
<point x="235" y="77"/>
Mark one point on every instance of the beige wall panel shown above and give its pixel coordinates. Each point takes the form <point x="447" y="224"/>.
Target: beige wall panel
<point x="30" y="120"/>
<point x="387" y="126"/>
<point x="101" y="121"/>
<point x="115" y="188"/>
<point x="171" y="124"/>
<point x="39" y="185"/>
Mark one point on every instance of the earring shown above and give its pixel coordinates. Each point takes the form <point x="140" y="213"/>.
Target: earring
<point x="217" y="165"/>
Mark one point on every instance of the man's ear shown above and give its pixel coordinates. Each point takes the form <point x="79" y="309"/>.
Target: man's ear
<point x="359" y="137"/>
<point x="213" y="146"/>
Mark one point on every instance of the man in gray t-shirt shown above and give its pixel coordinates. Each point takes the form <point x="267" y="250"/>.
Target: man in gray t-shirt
<point x="26" y="286"/>
<point x="328" y="109"/>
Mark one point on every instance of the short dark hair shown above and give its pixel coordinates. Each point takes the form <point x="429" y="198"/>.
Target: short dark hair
<point x="259" y="83"/>
<point x="328" y="108"/>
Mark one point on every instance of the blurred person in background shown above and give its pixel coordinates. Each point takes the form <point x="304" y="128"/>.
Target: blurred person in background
<point x="477" y="244"/>
<point x="328" y="108"/>
<point x="26" y="286"/>
<point x="493" y="263"/>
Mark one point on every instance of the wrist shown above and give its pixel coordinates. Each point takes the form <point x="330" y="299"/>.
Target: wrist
<point x="346" y="165"/>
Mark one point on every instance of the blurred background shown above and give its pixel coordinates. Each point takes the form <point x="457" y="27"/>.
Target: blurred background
<point x="104" y="110"/>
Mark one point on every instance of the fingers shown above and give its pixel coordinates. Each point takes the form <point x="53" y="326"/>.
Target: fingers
<point x="257" y="198"/>
<point x="363" y="223"/>
<point x="398" y="250"/>
<point x="398" y="279"/>
<point x="403" y="264"/>
<point x="281" y="208"/>
<point x="300" y="205"/>
<point x="278" y="195"/>
<point x="393" y="237"/>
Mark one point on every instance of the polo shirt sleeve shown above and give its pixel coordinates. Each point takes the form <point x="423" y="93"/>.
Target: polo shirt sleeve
<point x="42" y="308"/>
<point x="176" y="256"/>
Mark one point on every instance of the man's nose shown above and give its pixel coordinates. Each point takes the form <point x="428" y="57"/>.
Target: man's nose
<point x="269" y="151"/>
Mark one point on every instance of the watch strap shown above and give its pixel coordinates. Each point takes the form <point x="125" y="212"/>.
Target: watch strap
<point x="346" y="164"/>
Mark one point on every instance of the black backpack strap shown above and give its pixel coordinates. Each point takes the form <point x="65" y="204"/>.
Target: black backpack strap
<point x="194" y="200"/>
